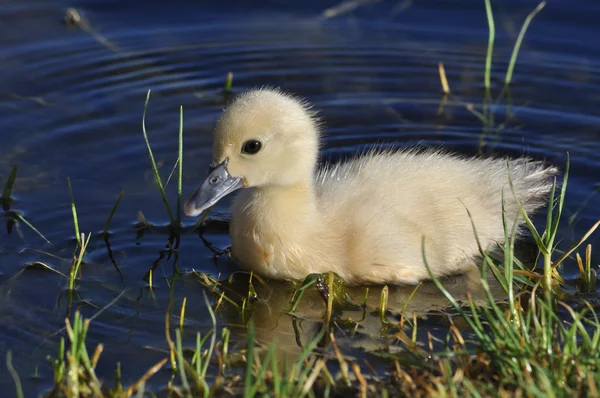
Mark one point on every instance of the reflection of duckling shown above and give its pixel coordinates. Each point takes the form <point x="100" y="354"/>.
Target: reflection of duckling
<point x="357" y="318"/>
<point x="363" y="219"/>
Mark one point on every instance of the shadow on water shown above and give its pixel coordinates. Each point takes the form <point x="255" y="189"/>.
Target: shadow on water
<point x="71" y="100"/>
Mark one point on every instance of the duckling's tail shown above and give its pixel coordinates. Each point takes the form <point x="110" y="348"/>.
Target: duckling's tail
<point x="532" y="182"/>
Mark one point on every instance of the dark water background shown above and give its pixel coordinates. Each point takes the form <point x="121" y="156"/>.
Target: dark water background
<point x="71" y="102"/>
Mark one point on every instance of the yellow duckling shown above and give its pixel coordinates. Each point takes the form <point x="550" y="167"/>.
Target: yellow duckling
<point x="363" y="219"/>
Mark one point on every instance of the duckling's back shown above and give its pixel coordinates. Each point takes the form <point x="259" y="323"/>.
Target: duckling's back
<point x="385" y="203"/>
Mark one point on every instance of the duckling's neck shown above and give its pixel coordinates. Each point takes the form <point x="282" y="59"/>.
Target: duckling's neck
<point x="286" y="205"/>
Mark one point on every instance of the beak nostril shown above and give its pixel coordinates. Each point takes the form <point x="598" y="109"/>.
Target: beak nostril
<point x="214" y="180"/>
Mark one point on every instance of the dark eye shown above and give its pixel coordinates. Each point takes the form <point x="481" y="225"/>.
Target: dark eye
<point x="251" y="147"/>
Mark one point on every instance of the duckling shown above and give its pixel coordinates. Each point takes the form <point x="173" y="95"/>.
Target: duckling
<point x="365" y="219"/>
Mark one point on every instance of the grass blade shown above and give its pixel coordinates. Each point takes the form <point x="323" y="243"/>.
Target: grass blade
<point x="34" y="229"/>
<point x="249" y="360"/>
<point x="261" y="372"/>
<point x="561" y="200"/>
<point x="180" y="363"/>
<point x="536" y="236"/>
<point x="228" y="83"/>
<point x="14" y="374"/>
<point x="517" y="47"/>
<point x="180" y="169"/>
<point x="214" y="334"/>
<point x="6" y="199"/>
<point x="153" y="162"/>
<point x="490" y="48"/>
<point x="576" y="245"/>
<point x="78" y="260"/>
<point x="112" y="213"/>
<point x="74" y="211"/>
<point x="479" y="332"/>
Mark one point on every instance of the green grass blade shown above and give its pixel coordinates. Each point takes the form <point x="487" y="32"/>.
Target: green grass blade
<point x="171" y="173"/>
<point x="34" y="229"/>
<point x="153" y="162"/>
<point x="249" y="361"/>
<point x="276" y="378"/>
<point x="517" y="47"/>
<point x="490" y="48"/>
<point x="112" y="213"/>
<point x="536" y="236"/>
<point x="197" y="358"/>
<point x="261" y="372"/>
<point x="228" y="83"/>
<point x="561" y="199"/>
<point x="551" y="207"/>
<point x="74" y="211"/>
<point x="479" y="332"/>
<point x="181" y="362"/>
<point x="14" y="374"/>
<point x="576" y="245"/>
<point x="497" y="273"/>
<point x="78" y="261"/>
<point x="180" y="170"/>
<point x="214" y="334"/>
<point x="6" y="199"/>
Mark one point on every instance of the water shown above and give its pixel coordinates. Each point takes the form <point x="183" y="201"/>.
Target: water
<point x="71" y="101"/>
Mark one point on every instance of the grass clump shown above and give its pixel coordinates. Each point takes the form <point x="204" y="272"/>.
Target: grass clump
<point x="74" y="369"/>
<point x="175" y="220"/>
<point x="528" y="347"/>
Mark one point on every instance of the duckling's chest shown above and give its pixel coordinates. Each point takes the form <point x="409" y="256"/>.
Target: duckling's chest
<point x="264" y="250"/>
<point x="271" y="237"/>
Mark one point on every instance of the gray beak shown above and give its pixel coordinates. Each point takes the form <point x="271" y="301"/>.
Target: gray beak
<point x="217" y="184"/>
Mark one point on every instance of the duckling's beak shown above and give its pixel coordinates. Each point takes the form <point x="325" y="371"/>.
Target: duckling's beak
<point x="217" y="184"/>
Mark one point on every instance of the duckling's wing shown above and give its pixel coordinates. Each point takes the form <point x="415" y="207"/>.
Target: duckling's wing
<point x="388" y="202"/>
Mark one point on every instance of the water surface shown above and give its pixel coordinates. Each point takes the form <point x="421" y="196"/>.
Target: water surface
<point x="71" y="101"/>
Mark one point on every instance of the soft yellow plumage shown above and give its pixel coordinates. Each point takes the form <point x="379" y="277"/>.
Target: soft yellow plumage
<point x="363" y="219"/>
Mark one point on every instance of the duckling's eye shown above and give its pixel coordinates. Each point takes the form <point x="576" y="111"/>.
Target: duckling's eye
<point x="251" y="147"/>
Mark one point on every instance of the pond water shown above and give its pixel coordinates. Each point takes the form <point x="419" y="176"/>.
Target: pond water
<point x="71" y="102"/>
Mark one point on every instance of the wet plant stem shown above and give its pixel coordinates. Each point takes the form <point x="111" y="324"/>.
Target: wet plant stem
<point x="490" y="48"/>
<point x="180" y="171"/>
<point x="517" y="47"/>
<point x="153" y="163"/>
<point x="74" y="212"/>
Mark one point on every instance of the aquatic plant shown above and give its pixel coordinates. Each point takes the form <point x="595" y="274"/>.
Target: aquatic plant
<point x="516" y="47"/>
<point x="14" y="216"/>
<point x="175" y="221"/>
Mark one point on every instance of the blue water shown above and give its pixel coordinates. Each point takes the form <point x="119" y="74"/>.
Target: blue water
<point x="71" y="102"/>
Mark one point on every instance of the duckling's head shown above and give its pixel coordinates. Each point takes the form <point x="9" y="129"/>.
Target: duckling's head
<point x="264" y="138"/>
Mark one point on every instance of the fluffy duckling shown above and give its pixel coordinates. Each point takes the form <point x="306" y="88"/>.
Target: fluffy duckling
<point x="363" y="219"/>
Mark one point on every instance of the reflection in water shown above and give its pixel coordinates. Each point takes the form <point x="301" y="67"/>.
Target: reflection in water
<point x="358" y="323"/>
